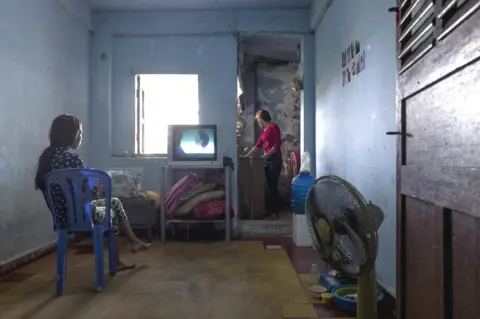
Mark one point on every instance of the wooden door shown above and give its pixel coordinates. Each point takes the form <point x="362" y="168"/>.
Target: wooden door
<point x="438" y="128"/>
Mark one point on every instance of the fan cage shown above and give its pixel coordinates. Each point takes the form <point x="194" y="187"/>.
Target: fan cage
<point x="313" y="214"/>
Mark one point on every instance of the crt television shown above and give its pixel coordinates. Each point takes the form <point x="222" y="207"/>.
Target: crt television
<point x="192" y="145"/>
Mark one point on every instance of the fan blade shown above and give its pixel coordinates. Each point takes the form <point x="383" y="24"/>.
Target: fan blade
<point x="343" y="257"/>
<point x="353" y="251"/>
<point x="324" y="230"/>
<point x="360" y="252"/>
<point x="313" y="215"/>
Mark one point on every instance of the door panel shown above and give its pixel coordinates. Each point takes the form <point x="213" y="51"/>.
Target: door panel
<point x="439" y="119"/>
<point x="466" y="265"/>
<point x="453" y="187"/>
<point x="424" y="246"/>
<point x="445" y="143"/>
<point x="438" y="221"/>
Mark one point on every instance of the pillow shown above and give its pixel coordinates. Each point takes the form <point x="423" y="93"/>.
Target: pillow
<point x="123" y="186"/>
<point x="150" y="195"/>
<point x="211" y="210"/>
<point x="173" y="196"/>
<point x="201" y="198"/>
<point x="197" y="191"/>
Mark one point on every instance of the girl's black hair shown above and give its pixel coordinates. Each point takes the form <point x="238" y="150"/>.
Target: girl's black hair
<point x="64" y="132"/>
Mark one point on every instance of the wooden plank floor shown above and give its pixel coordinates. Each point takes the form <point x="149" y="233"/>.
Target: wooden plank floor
<point x="178" y="280"/>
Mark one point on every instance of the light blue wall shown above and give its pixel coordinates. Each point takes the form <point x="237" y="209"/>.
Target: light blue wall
<point x="170" y="42"/>
<point x="307" y="114"/>
<point x="351" y="121"/>
<point x="44" y="63"/>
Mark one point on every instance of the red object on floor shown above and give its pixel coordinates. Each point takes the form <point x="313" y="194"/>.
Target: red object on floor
<point x="84" y="249"/>
<point x="16" y="277"/>
<point x="294" y="163"/>
<point x="211" y="209"/>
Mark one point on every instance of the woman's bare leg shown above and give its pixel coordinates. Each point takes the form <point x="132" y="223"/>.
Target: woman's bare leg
<point x="135" y="243"/>
<point x="120" y="265"/>
<point x="119" y="215"/>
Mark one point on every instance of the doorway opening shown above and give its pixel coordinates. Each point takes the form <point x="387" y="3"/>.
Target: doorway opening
<point x="162" y="100"/>
<point x="268" y="68"/>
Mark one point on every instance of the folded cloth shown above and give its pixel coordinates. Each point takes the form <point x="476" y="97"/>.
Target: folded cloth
<point x="197" y="191"/>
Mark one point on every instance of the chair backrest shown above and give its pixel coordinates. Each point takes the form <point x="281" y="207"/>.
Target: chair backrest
<point x="77" y="185"/>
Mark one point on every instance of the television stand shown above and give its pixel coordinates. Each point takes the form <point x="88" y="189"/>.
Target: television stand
<point x="168" y="171"/>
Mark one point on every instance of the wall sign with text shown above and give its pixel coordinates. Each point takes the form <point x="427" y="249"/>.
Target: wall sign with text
<point x="353" y="61"/>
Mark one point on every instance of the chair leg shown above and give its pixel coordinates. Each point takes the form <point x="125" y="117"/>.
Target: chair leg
<point x="98" y="251"/>
<point x="62" y="246"/>
<point x="112" y="253"/>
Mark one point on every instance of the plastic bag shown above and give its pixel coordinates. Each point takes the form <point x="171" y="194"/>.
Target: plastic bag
<point x="123" y="185"/>
<point x="305" y="163"/>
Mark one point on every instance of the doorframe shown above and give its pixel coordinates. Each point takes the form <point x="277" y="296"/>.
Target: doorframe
<point x="400" y="220"/>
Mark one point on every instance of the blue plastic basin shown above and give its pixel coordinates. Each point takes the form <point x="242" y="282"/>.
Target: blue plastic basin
<point x="348" y="305"/>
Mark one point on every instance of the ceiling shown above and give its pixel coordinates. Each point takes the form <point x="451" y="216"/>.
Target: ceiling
<point x="139" y="5"/>
<point x="278" y="47"/>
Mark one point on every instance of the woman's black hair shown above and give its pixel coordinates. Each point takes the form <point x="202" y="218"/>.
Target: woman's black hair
<point x="264" y="115"/>
<point x="64" y="132"/>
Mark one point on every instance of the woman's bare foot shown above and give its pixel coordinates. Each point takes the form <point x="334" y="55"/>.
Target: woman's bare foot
<point x="121" y="266"/>
<point x="140" y="245"/>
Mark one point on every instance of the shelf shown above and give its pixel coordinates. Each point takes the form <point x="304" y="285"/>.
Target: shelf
<point x="166" y="170"/>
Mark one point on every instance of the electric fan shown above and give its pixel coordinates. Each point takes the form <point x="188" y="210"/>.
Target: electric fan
<point x="343" y="227"/>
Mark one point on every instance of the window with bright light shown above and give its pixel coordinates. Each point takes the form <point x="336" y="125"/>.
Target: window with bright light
<point x="162" y="100"/>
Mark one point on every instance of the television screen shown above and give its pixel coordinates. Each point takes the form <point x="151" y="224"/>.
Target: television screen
<point x="194" y="142"/>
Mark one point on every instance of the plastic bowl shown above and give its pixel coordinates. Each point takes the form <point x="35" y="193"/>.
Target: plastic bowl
<point x="316" y="291"/>
<point x="349" y="305"/>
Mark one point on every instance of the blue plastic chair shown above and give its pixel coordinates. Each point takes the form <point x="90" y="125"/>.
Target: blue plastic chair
<point x="77" y="186"/>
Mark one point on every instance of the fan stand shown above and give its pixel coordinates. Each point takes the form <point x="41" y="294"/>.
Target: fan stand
<point x="367" y="295"/>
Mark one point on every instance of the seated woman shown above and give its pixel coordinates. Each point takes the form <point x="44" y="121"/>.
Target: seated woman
<point x="65" y="134"/>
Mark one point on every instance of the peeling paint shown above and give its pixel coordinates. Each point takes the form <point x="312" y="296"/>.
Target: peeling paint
<point x="275" y="94"/>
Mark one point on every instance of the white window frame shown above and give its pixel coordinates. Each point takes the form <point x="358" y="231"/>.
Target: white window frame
<point x="139" y="117"/>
